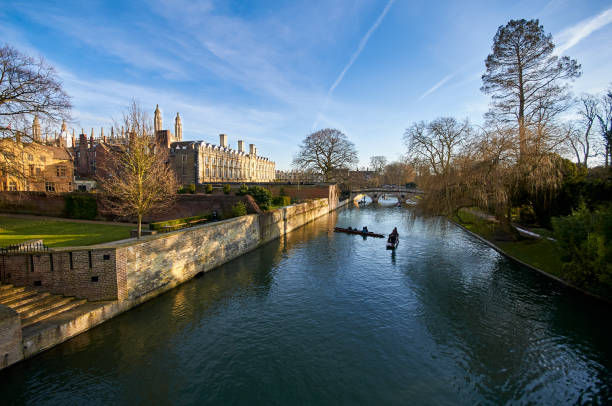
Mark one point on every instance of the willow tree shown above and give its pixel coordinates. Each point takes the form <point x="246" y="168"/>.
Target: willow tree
<point x="136" y="178"/>
<point x="325" y="152"/>
<point x="527" y="81"/>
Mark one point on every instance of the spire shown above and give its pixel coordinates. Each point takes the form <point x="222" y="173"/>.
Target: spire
<point x="64" y="128"/>
<point x="178" y="128"/>
<point x="36" y="129"/>
<point x="158" y="119"/>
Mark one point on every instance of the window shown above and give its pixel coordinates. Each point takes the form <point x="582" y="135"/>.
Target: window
<point x="30" y="157"/>
<point x="13" y="186"/>
<point x="184" y="157"/>
<point x="61" y="171"/>
<point x="207" y="172"/>
<point x="31" y="170"/>
<point x="38" y="171"/>
<point x="43" y="158"/>
<point x="50" y="186"/>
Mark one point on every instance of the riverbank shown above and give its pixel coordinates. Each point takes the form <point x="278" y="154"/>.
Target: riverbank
<point x="116" y="276"/>
<point x="539" y="254"/>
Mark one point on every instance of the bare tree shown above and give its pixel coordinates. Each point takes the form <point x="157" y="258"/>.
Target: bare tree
<point x="378" y="163"/>
<point x="526" y="79"/>
<point x="579" y="136"/>
<point x="136" y="178"/>
<point x="437" y="142"/>
<point x="326" y="151"/>
<point x="28" y="87"/>
<point x="605" y="124"/>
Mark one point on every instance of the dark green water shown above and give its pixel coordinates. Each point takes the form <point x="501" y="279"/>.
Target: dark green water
<point x="326" y="318"/>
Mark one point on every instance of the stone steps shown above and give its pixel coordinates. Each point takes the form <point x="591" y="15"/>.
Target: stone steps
<point x="71" y="304"/>
<point x="20" y="299"/>
<point x="11" y="291"/>
<point x="34" y="306"/>
<point x="28" y="300"/>
<point x="5" y="300"/>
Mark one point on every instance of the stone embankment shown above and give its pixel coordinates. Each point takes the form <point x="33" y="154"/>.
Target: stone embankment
<point x="52" y="296"/>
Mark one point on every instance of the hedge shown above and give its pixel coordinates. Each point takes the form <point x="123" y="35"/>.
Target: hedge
<point x="80" y="206"/>
<point x="161" y="224"/>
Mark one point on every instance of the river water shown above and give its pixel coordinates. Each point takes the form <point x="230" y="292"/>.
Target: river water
<point x="320" y="317"/>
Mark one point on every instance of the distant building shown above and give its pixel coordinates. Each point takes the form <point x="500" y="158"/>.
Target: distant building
<point x="194" y="162"/>
<point x="42" y="165"/>
<point x="201" y="162"/>
<point x="298" y="176"/>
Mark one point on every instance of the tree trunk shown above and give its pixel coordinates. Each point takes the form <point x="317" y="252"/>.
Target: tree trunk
<point x="139" y="225"/>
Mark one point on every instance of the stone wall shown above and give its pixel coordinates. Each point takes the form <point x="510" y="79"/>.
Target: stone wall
<point x="10" y="337"/>
<point x="164" y="261"/>
<point x="93" y="274"/>
<point x="138" y="269"/>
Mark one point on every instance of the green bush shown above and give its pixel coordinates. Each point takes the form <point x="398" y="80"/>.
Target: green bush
<point x="80" y="206"/>
<point x="281" y="201"/>
<point x="244" y="190"/>
<point x="227" y="189"/>
<point x="181" y="190"/>
<point x="239" y="209"/>
<point x="262" y="196"/>
<point x="208" y="189"/>
<point x="192" y="188"/>
<point x="160" y="224"/>
<point x="585" y="239"/>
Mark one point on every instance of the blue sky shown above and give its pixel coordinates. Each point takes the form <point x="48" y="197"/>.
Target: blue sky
<point x="271" y="72"/>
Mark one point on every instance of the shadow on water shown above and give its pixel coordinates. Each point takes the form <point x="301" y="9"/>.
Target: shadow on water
<point x="324" y="318"/>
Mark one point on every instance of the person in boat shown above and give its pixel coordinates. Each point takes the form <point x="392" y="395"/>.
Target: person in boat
<point x="365" y="229"/>
<point x="394" y="234"/>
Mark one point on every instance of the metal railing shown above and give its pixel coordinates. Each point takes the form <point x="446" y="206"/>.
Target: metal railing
<point x="24" y="247"/>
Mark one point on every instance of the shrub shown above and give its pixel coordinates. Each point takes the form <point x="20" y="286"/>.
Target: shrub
<point x="80" y="206"/>
<point x="281" y="201"/>
<point x="160" y="224"/>
<point x="181" y="190"/>
<point x="192" y="188"/>
<point x="239" y="209"/>
<point x="208" y="189"/>
<point x="585" y="239"/>
<point x="227" y="189"/>
<point x="244" y="190"/>
<point x="262" y="196"/>
<point x="411" y="185"/>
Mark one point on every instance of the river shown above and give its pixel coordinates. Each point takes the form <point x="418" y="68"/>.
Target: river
<point x="320" y="317"/>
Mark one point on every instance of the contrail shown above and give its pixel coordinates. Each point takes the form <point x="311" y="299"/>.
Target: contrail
<point x="573" y="35"/>
<point x="354" y="57"/>
<point x="435" y="87"/>
<point x="362" y="44"/>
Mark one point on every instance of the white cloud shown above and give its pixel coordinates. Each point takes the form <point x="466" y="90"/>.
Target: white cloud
<point x="573" y="35"/>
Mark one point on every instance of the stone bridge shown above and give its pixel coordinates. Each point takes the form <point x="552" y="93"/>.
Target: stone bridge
<point x="402" y="194"/>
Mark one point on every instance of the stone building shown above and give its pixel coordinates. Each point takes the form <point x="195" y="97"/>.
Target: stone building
<point x="42" y="166"/>
<point x="198" y="162"/>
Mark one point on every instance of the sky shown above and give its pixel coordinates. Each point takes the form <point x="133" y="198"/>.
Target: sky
<point x="272" y="72"/>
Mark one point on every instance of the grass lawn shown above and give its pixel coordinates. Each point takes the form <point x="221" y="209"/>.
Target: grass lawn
<point x="57" y="233"/>
<point x="541" y="253"/>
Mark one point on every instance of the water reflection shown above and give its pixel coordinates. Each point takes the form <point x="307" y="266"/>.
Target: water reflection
<point x="324" y="318"/>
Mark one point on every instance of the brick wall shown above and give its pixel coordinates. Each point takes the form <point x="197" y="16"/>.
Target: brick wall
<point x="87" y="274"/>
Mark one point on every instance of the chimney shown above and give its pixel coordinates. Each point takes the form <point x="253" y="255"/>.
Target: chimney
<point x="252" y="150"/>
<point x="223" y="140"/>
<point x="240" y="146"/>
